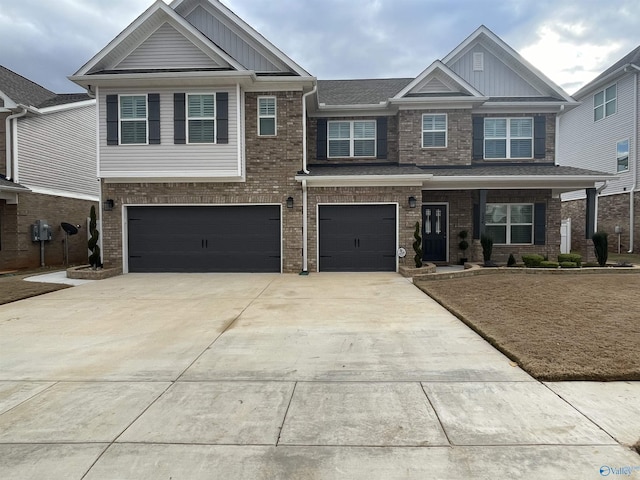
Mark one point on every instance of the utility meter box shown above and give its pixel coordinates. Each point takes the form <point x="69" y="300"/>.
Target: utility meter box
<point x="40" y="231"/>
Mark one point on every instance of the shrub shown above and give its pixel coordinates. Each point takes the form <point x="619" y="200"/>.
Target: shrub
<point x="601" y="246"/>
<point x="532" y="260"/>
<point x="570" y="257"/>
<point x="568" y="264"/>
<point x="512" y="261"/>
<point x="417" y="246"/>
<point x="548" y="264"/>
<point x="487" y="247"/>
<point x="94" y="258"/>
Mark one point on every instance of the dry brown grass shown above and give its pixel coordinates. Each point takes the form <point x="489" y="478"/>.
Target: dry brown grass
<point x="557" y="327"/>
<point x="14" y="287"/>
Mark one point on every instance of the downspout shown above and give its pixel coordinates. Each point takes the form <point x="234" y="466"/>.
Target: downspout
<point x="9" y="141"/>
<point x="305" y="233"/>
<point x="635" y="164"/>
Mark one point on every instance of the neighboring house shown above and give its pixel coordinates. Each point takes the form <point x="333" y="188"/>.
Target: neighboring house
<point x="602" y="134"/>
<point x="47" y="170"/>
<point x="217" y="152"/>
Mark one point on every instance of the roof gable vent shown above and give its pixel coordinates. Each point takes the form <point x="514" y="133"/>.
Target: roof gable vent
<point x="478" y="62"/>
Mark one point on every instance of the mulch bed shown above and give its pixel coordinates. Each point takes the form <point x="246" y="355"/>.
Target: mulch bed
<point x="13" y="287"/>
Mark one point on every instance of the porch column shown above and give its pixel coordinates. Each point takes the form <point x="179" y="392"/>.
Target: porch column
<point x="590" y="215"/>
<point x="482" y="207"/>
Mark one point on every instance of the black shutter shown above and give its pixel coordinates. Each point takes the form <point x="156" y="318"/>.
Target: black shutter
<point x="539" y="223"/>
<point x="222" y="117"/>
<point x="154" y="118"/>
<point x="478" y="138"/>
<point x="381" y="138"/>
<point x="112" y="119"/>
<point x="321" y="139"/>
<point x="539" y="136"/>
<point x="476" y="221"/>
<point x="179" y="119"/>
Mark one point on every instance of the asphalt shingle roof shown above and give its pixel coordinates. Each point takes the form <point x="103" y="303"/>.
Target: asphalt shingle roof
<point x="7" y="183"/>
<point x="359" y="92"/>
<point x="633" y="57"/>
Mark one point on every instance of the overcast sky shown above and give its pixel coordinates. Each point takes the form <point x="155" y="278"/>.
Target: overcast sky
<point x="571" y="41"/>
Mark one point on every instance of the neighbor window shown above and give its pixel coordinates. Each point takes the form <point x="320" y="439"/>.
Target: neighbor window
<point x="509" y="223"/>
<point x="604" y="102"/>
<point x="622" y="155"/>
<point x="266" y="116"/>
<point x="201" y="113"/>
<point x="352" y="139"/>
<point x="508" y="137"/>
<point x="434" y="130"/>
<point x="133" y="119"/>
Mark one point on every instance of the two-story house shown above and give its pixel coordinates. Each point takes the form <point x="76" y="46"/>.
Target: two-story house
<point x="217" y="152"/>
<point x="602" y="134"/>
<point x="47" y="171"/>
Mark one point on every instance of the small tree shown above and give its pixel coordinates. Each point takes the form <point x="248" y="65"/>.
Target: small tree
<point x="512" y="261"/>
<point x="417" y="246"/>
<point x="463" y="244"/>
<point x="601" y="246"/>
<point x="487" y="248"/>
<point x="94" y="258"/>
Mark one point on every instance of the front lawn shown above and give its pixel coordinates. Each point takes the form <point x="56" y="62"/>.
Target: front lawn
<point x="556" y="327"/>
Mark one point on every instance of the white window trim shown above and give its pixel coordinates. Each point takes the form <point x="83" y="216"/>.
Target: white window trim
<point x="352" y="139"/>
<point x="509" y="224"/>
<point x="628" y="155"/>
<point x="120" y="119"/>
<point x="215" y="118"/>
<point x="446" y="133"/>
<point x="508" y="138"/>
<point x="604" y="102"/>
<point x="274" y="116"/>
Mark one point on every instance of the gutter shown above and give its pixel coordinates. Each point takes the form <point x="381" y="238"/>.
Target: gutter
<point x="635" y="164"/>
<point x="9" y="142"/>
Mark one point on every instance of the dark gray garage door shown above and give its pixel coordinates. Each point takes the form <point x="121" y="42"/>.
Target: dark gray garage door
<point x="204" y="239"/>
<point x="357" y="238"/>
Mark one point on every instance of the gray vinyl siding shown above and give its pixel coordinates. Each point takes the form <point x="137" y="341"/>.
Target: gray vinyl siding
<point x="497" y="79"/>
<point x="585" y="143"/>
<point x="167" y="48"/>
<point x="180" y="160"/>
<point x="58" y="151"/>
<point x="231" y="42"/>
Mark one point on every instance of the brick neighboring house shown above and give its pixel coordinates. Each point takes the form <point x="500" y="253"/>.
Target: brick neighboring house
<point x="47" y="170"/>
<point x="602" y="133"/>
<point x="220" y="153"/>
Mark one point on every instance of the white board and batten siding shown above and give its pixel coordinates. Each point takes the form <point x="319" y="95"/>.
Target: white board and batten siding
<point x="57" y="152"/>
<point x="585" y="143"/>
<point x="168" y="159"/>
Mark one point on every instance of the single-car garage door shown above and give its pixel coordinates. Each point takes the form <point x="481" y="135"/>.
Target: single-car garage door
<point x="357" y="238"/>
<point x="204" y="239"/>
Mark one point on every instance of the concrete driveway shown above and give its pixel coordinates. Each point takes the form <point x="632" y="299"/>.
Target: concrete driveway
<point x="277" y="376"/>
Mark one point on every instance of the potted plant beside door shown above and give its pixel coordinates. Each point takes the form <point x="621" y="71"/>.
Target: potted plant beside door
<point x="463" y="245"/>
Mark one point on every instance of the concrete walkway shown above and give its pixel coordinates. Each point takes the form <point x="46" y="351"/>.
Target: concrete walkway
<point x="280" y="376"/>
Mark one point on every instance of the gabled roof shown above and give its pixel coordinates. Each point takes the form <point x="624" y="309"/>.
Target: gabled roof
<point x="446" y="82"/>
<point x="630" y="59"/>
<point x="359" y="92"/>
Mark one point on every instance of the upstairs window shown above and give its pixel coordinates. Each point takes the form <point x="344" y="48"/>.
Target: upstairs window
<point x="508" y="138"/>
<point x="605" y="102"/>
<point x="133" y="119"/>
<point x="352" y="138"/>
<point x="267" y="116"/>
<point x="201" y="113"/>
<point x="434" y="131"/>
<point x="509" y="223"/>
<point x="622" y="154"/>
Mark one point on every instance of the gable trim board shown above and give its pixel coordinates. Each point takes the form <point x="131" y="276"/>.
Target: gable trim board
<point x="431" y="71"/>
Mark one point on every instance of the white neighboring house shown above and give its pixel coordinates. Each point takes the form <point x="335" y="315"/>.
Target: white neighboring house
<point x="47" y="170"/>
<point x="602" y="134"/>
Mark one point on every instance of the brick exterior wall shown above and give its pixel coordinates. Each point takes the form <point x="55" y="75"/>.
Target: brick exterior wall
<point x="16" y="248"/>
<point x="461" y="218"/>
<point x="407" y="217"/>
<point x="612" y="210"/>
<point x="459" y="139"/>
<point x="272" y="163"/>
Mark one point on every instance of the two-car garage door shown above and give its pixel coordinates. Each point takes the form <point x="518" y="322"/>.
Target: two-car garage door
<point x="204" y="238"/>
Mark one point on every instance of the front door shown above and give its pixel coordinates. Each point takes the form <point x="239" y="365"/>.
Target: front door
<point x="434" y="233"/>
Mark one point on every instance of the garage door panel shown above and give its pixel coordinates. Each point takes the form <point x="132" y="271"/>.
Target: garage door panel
<point x="205" y="239"/>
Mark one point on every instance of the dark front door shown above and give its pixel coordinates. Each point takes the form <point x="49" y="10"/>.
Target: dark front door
<point x="434" y="233"/>
<point x="357" y="238"/>
<point x="204" y="239"/>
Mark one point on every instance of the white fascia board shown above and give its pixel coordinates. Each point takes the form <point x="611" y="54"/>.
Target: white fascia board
<point x="571" y="182"/>
<point x="438" y="102"/>
<point x="159" y="79"/>
<point x="67" y="106"/>
<point x="521" y="107"/>
<point x="172" y="178"/>
<point x="378" y="110"/>
<point x="9" y="196"/>
<point x="65" y="194"/>
<point x="438" y="65"/>
<point x="365" y="180"/>
<point x="281" y="84"/>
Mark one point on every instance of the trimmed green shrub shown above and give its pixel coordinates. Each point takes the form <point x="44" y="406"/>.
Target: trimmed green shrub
<point x="511" y="262"/>
<point x="548" y="264"/>
<point x="532" y="260"/>
<point x="94" y="259"/>
<point x="568" y="264"/>
<point x="601" y="246"/>
<point x="570" y="257"/>
<point x="487" y="248"/>
<point x="417" y="246"/>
